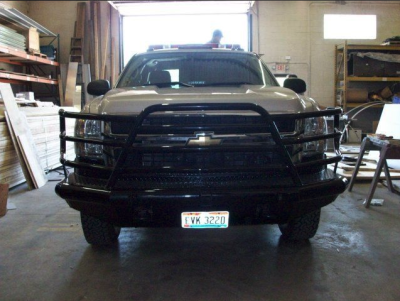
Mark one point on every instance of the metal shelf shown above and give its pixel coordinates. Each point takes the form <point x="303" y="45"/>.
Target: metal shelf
<point x="344" y="81"/>
<point x="18" y="57"/>
<point x="369" y="47"/>
<point x="373" y="79"/>
<point x="17" y="18"/>
<point x="19" y="78"/>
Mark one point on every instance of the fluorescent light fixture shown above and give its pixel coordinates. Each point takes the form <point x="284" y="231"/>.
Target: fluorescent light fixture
<point x="346" y="27"/>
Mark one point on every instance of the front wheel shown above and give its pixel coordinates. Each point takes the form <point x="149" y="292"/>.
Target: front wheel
<point x="98" y="232"/>
<point x="301" y="228"/>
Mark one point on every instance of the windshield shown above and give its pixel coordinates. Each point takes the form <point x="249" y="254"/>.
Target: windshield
<point x="200" y="69"/>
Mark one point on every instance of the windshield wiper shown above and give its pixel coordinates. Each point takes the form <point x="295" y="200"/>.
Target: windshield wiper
<point x="169" y="84"/>
<point x="227" y="84"/>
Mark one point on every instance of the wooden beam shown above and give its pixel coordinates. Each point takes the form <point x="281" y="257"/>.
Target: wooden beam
<point x="112" y="63"/>
<point x="61" y="90"/>
<point x="71" y="84"/>
<point x="91" y="48"/>
<point x="96" y="39"/>
<point x="63" y="74"/>
<point x="86" y="80"/>
<point x="104" y="59"/>
<point x="80" y="20"/>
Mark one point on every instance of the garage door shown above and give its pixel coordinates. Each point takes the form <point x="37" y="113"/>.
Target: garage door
<point x="155" y="23"/>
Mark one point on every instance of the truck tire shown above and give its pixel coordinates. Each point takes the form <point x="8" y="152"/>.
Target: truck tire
<point x="301" y="228"/>
<point x="98" y="232"/>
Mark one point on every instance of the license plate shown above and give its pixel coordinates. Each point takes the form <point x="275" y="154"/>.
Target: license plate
<point x="201" y="220"/>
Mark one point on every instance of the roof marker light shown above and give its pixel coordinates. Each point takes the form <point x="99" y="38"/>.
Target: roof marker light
<point x="195" y="46"/>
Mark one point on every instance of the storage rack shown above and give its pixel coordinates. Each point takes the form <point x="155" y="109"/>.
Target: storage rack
<point x="344" y="81"/>
<point x="33" y="72"/>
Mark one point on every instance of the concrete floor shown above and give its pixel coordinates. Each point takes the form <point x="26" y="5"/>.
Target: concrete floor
<point x="354" y="256"/>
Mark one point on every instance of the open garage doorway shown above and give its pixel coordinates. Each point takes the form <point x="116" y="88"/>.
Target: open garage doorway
<point x="156" y="23"/>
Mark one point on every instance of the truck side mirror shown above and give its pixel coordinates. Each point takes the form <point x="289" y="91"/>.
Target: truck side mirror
<point x="98" y="87"/>
<point x="296" y="84"/>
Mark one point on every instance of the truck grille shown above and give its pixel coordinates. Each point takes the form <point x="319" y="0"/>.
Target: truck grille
<point x="204" y="160"/>
<point x="196" y="120"/>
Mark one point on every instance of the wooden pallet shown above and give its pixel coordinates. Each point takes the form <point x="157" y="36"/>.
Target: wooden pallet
<point x="36" y="53"/>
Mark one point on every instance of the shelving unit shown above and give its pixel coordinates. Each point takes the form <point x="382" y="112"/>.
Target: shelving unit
<point x="32" y="72"/>
<point x="17" y="57"/>
<point x="345" y="81"/>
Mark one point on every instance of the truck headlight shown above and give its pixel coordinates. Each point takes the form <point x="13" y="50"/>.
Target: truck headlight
<point x="312" y="127"/>
<point x="88" y="129"/>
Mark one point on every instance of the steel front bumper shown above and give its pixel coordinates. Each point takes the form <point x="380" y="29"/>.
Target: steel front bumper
<point x="163" y="206"/>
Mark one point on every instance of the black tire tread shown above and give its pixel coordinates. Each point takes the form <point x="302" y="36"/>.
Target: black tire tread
<point x="301" y="228"/>
<point x="98" y="232"/>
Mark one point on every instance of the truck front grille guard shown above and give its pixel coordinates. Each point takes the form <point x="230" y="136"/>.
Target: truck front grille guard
<point x="138" y="127"/>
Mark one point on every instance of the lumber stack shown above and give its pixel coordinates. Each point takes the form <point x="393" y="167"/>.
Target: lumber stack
<point x="44" y="124"/>
<point x="10" y="168"/>
<point x="9" y="37"/>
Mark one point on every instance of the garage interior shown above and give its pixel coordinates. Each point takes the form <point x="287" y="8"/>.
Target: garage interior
<point x="51" y="50"/>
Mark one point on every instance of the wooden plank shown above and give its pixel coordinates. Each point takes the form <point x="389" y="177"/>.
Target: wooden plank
<point x="86" y="80"/>
<point x="45" y="132"/>
<point x="24" y="167"/>
<point x="89" y="46"/>
<point x="80" y="20"/>
<point x="71" y="84"/>
<point x="24" y="139"/>
<point x="10" y="166"/>
<point x="112" y="67"/>
<point x="96" y="38"/>
<point x="14" y="180"/>
<point x="63" y="74"/>
<point x="60" y="90"/>
<point x="104" y="54"/>
<point x="363" y="175"/>
<point x="9" y="157"/>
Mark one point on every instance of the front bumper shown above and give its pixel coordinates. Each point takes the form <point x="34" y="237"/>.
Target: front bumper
<point x="162" y="207"/>
<point x="274" y="189"/>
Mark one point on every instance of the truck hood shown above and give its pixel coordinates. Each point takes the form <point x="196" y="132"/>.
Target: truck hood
<point x="133" y="100"/>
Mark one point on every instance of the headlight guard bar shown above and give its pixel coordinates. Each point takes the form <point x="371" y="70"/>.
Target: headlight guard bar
<point x="128" y="146"/>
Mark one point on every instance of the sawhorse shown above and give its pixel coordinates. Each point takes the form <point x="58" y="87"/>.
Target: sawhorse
<point x="389" y="149"/>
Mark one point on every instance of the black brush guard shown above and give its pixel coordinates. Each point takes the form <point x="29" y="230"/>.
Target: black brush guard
<point x="112" y="202"/>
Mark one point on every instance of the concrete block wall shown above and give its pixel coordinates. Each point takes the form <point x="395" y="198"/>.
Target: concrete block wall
<point x="295" y="28"/>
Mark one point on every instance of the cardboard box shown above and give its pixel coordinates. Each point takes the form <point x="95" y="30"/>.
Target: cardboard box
<point x="26" y="95"/>
<point x="32" y="40"/>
